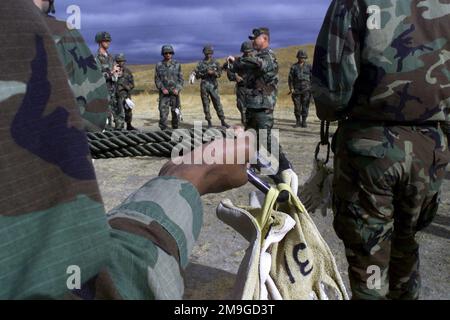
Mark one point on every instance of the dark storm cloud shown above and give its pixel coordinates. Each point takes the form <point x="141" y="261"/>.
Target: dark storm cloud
<point x="139" y="27"/>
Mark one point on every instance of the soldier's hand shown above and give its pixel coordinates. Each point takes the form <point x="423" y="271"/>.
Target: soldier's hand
<point x="175" y="92"/>
<point x="211" y="72"/>
<point x="231" y="59"/>
<point x="165" y="91"/>
<point x="239" y="78"/>
<point x="214" y="176"/>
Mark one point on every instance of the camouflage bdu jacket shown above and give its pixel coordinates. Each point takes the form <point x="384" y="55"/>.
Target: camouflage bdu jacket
<point x="300" y="78"/>
<point x="85" y="77"/>
<point x="232" y="72"/>
<point x="391" y="72"/>
<point x="169" y="76"/>
<point x="202" y="68"/>
<point x="52" y="219"/>
<point x="262" y="80"/>
<point x="125" y="83"/>
<point x="106" y="63"/>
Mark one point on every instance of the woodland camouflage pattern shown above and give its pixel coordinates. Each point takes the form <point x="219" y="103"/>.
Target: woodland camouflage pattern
<point x="261" y="88"/>
<point x="125" y="85"/>
<point x="52" y="214"/>
<point x="300" y="85"/>
<point x="239" y="76"/>
<point x="106" y="63"/>
<point x="168" y="76"/>
<point x="85" y="77"/>
<point x="390" y="88"/>
<point x="209" y="88"/>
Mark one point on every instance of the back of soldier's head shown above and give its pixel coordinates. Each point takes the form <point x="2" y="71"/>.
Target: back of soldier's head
<point x="247" y="47"/>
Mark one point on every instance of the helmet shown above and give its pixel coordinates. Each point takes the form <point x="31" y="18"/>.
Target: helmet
<point x="246" y="47"/>
<point x="302" y="54"/>
<point x="120" y="58"/>
<point x="102" y="36"/>
<point x="208" y="49"/>
<point x="167" y="48"/>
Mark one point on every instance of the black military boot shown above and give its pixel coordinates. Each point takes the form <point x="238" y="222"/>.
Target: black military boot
<point x="224" y="124"/>
<point x="130" y="127"/>
<point x="209" y="124"/>
<point x="297" y="123"/>
<point x="304" y="125"/>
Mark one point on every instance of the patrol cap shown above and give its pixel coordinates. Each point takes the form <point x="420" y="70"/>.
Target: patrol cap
<point x="208" y="49"/>
<point x="167" y="48"/>
<point x="102" y="36"/>
<point x="259" y="31"/>
<point x="120" y="58"/>
<point x="246" y="47"/>
<point x="302" y="54"/>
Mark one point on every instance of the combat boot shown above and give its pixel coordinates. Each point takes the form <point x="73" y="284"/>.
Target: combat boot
<point x="209" y="124"/>
<point x="224" y="124"/>
<point x="304" y="125"/>
<point x="297" y="123"/>
<point x="130" y="127"/>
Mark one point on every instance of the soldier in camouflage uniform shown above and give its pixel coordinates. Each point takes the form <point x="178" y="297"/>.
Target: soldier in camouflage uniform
<point x="169" y="81"/>
<point x="108" y="68"/>
<point x="209" y="70"/>
<point x="85" y="78"/>
<point x="261" y="89"/>
<point x="125" y="85"/>
<point x="300" y="88"/>
<point x="53" y="222"/>
<point x="387" y="83"/>
<point x="240" y="77"/>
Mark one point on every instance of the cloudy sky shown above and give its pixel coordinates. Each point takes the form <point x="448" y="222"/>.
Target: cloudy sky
<point x="140" y="27"/>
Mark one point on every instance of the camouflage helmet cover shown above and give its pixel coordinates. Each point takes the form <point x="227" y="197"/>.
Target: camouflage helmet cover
<point x="167" y="48"/>
<point x="208" y="49"/>
<point x="302" y="54"/>
<point x="120" y="58"/>
<point x="102" y="36"/>
<point x="246" y="47"/>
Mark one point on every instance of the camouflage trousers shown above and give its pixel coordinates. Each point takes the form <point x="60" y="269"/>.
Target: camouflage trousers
<point x="301" y="105"/>
<point x="111" y="104"/>
<point x="240" y="102"/>
<point x="120" y="112"/>
<point x="259" y="119"/>
<point x="166" y="103"/>
<point x="128" y="116"/>
<point x="210" y="92"/>
<point x="386" y="188"/>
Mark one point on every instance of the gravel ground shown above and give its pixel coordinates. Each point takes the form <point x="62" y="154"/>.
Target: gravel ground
<point x="219" y="250"/>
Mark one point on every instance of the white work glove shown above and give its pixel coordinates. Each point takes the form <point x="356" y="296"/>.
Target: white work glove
<point x="192" y="78"/>
<point x="130" y="103"/>
<point x="316" y="193"/>
<point x="290" y="178"/>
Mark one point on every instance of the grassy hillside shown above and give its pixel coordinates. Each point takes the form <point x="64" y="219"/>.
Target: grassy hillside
<point x="144" y="74"/>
